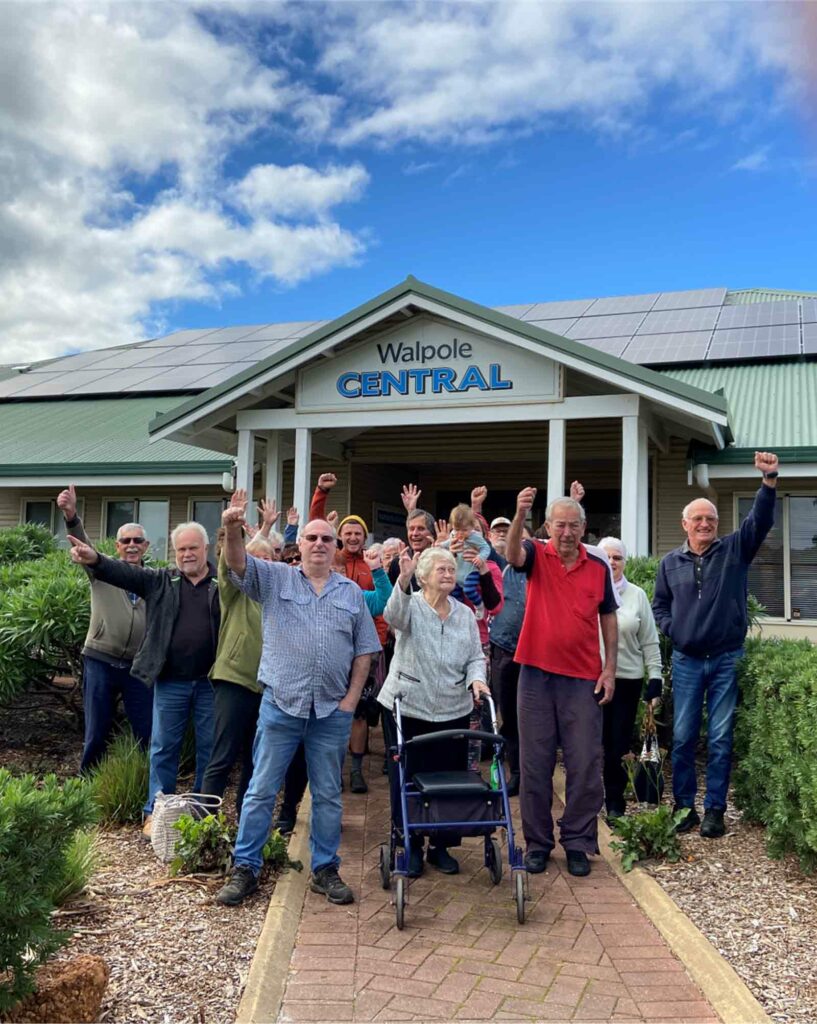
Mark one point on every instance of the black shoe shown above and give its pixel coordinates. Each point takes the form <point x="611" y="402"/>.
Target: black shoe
<point x="285" y="823"/>
<point x="689" y="822"/>
<point x="357" y="783"/>
<point x="415" y="862"/>
<point x="513" y="785"/>
<point x="577" y="863"/>
<point x="536" y="861"/>
<point x="713" y="826"/>
<point x="243" y="882"/>
<point x="442" y="860"/>
<point x="328" y="883"/>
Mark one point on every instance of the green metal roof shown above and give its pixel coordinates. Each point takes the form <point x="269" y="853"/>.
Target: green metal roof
<point x="747" y="295"/>
<point x="548" y="340"/>
<point x="772" y="406"/>
<point x="95" y="436"/>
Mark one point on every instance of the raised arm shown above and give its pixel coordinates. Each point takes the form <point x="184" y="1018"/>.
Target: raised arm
<point x="317" y="507"/>
<point x="514" y="552"/>
<point x="111" y="570"/>
<point x="232" y="519"/>
<point x="755" y="527"/>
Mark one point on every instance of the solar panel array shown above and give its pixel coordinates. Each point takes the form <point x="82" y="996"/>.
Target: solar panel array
<point x="656" y="329"/>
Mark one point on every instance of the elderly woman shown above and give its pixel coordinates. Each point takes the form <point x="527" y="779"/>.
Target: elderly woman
<point x="439" y="668"/>
<point x="638" y="649"/>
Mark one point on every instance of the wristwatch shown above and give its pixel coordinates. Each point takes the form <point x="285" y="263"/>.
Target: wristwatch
<point x="771" y="476"/>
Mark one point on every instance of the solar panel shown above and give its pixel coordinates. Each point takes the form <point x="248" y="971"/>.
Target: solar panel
<point x="679" y="347"/>
<point x="756" y="342"/>
<point x="124" y="359"/>
<point x="810" y="339"/>
<point x="275" y="332"/>
<point x="613" y="346"/>
<point x="557" y="310"/>
<point x="560" y="326"/>
<point x="518" y="311"/>
<point x="809" y="311"/>
<point x="190" y="336"/>
<point x="68" y="364"/>
<point x="225" y="335"/>
<point x="691" y="299"/>
<point x="238" y="351"/>
<point x="674" y="321"/>
<point x="623" y="304"/>
<point x="181" y="355"/>
<point x="616" y="326"/>
<point x="20" y="382"/>
<point x="117" y="381"/>
<point x="759" y="314"/>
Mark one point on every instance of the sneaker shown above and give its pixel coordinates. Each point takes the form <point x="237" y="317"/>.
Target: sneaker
<point x="536" y="861"/>
<point x="356" y="781"/>
<point x="577" y="863"/>
<point x="415" y="864"/>
<point x="243" y="882"/>
<point x="442" y="860"/>
<point x="513" y="784"/>
<point x="147" y="827"/>
<point x="284" y="823"/>
<point x="328" y="883"/>
<point x="712" y="826"/>
<point x="689" y="822"/>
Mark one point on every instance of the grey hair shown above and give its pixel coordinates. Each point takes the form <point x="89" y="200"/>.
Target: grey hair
<point x="189" y="526"/>
<point x="615" y="544"/>
<point x="427" y="560"/>
<point x="431" y="526"/>
<point x="685" y="513"/>
<point x="570" y="503"/>
<point x="392" y="542"/>
<point x="275" y="539"/>
<point x="376" y="549"/>
<point x="259" y="543"/>
<point x="127" y="527"/>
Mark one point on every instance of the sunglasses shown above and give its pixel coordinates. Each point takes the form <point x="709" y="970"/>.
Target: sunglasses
<point x="132" y="540"/>
<point x="312" y="538"/>
<point x="292" y="560"/>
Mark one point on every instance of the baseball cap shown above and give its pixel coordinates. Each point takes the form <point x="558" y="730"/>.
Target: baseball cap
<point x="500" y="521"/>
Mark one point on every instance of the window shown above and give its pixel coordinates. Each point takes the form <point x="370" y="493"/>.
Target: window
<point x="784" y="574"/>
<point x="207" y="511"/>
<point x="46" y="513"/>
<point x="152" y="516"/>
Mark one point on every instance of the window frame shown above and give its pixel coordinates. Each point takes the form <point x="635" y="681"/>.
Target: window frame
<point x="787" y="603"/>
<point x="136" y="500"/>
<point x="25" y="499"/>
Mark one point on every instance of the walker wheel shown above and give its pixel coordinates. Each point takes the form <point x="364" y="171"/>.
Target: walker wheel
<point x="493" y="853"/>
<point x="385" y="873"/>
<point x="400" y="901"/>
<point x="519" y="890"/>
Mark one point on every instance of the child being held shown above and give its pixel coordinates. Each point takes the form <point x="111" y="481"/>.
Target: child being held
<point x="466" y="536"/>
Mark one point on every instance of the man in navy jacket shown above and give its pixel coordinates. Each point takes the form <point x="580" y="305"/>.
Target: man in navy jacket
<point x="700" y="603"/>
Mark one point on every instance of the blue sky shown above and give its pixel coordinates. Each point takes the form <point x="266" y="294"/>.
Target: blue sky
<point x="205" y="165"/>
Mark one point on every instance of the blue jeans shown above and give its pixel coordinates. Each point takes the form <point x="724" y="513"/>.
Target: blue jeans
<point x="279" y="734"/>
<point x="101" y="686"/>
<point x="692" y="679"/>
<point x="173" y="703"/>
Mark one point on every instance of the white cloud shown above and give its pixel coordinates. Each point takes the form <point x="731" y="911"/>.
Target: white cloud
<point x="115" y="126"/>
<point x="757" y="160"/>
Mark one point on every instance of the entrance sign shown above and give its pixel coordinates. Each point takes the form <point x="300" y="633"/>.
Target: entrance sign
<point x="428" y="361"/>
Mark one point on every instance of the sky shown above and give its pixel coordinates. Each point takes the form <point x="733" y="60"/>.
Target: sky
<point x="172" y="165"/>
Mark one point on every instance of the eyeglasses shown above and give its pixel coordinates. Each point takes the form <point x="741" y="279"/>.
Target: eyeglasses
<point x="292" y="560"/>
<point x="313" y="538"/>
<point x="131" y="540"/>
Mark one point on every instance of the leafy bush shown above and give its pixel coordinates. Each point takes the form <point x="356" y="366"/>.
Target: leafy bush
<point x="775" y="778"/>
<point x="642" y="572"/>
<point x="648" y="834"/>
<point x="205" y="844"/>
<point x="120" y="780"/>
<point x="80" y="862"/>
<point x="25" y="543"/>
<point x="37" y="824"/>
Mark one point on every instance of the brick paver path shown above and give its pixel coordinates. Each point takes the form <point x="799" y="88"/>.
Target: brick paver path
<point x="586" y="951"/>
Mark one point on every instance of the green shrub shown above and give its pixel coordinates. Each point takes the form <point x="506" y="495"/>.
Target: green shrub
<point x="642" y="572"/>
<point x="204" y="844"/>
<point x="80" y="862"/>
<point x="25" y="543"/>
<point x="120" y="781"/>
<point x="775" y="778"/>
<point x="37" y="823"/>
<point x="648" y="834"/>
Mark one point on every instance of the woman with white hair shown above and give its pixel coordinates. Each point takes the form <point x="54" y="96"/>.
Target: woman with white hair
<point x="638" y="649"/>
<point x="439" y="669"/>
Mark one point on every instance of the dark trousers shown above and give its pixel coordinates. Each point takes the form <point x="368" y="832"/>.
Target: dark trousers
<point x="102" y="685"/>
<point x="555" y="709"/>
<point x="505" y="682"/>
<point x="436" y="757"/>
<point x="235" y="713"/>
<point x="619" y="720"/>
<point x="295" y="782"/>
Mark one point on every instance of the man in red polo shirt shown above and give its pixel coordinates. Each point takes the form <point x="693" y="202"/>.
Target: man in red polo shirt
<point x="562" y="682"/>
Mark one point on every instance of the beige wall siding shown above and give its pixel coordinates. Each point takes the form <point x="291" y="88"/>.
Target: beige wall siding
<point x="338" y="497"/>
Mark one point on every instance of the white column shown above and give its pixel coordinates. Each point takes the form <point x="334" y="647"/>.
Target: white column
<point x="245" y="461"/>
<point x="556" y="459"/>
<point x="273" y="477"/>
<point x="302" y="491"/>
<point x="634" y="485"/>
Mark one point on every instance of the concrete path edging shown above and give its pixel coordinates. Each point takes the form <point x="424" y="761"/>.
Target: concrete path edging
<point x="720" y="983"/>
<point x="266" y="982"/>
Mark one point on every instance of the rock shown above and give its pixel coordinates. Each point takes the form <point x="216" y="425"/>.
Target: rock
<point x="67" y="990"/>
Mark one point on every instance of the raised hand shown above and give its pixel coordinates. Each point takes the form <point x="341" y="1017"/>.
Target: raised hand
<point x="478" y="496"/>
<point x="81" y="553"/>
<point x="410" y="496"/>
<point x="443" y="531"/>
<point x="239" y="498"/>
<point x="766" y="462"/>
<point x="269" y="511"/>
<point x="292" y="517"/>
<point x="67" y="501"/>
<point x="233" y="515"/>
<point x="332" y="519"/>
<point x="525" y="499"/>
<point x="408" y="563"/>
<point x="250" y="530"/>
<point x="326" y="481"/>
<point x="577" y="491"/>
<point x="373" y="557"/>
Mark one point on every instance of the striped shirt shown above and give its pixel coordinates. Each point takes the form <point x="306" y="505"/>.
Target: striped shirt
<point x="309" y="639"/>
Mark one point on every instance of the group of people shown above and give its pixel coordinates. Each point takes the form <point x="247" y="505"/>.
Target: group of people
<point x="283" y="664"/>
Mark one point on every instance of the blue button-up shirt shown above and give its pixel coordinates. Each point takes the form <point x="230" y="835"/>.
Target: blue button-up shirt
<point x="309" y="639"/>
